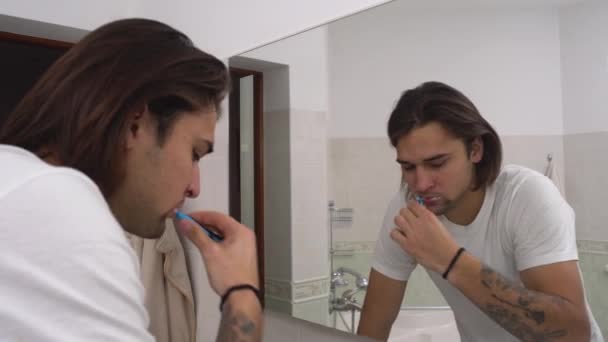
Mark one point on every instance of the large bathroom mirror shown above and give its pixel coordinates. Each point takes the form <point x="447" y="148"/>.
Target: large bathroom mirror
<point x="536" y="69"/>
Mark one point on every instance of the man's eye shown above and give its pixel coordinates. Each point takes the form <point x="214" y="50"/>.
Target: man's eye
<point x="407" y="167"/>
<point x="436" y="165"/>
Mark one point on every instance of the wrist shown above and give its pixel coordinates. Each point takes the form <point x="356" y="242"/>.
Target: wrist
<point x="453" y="262"/>
<point x="465" y="269"/>
<point x="244" y="294"/>
<point x="442" y="264"/>
<point x="243" y="301"/>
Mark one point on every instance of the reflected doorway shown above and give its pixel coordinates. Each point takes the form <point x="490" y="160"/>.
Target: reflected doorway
<point x="246" y="171"/>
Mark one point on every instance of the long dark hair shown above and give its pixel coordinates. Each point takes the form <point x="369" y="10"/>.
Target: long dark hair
<point x="438" y="102"/>
<point x="80" y="107"/>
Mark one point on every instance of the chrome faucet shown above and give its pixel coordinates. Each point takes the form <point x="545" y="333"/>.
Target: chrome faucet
<point x="347" y="301"/>
<point x="360" y="281"/>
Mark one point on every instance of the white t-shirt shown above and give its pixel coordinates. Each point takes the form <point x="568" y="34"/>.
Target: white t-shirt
<point x="67" y="272"/>
<point x="524" y="222"/>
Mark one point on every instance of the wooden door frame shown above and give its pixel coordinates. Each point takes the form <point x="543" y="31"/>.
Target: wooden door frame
<point x="22" y="40"/>
<point x="234" y="147"/>
<point x="35" y="41"/>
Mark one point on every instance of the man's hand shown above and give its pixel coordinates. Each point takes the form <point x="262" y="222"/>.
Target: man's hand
<point x="230" y="262"/>
<point x="420" y="233"/>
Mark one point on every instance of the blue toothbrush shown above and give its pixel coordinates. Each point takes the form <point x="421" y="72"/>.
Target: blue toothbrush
<point x="214" y="236"/>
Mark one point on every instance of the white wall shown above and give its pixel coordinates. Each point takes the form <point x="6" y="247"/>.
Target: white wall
<point x="584" y="37"/>
<point x="223" y="28"/>
<point x="81" y="14"/>
<point x="584" y="32"/>
<point x="506" y="60"/>
<point x="230" y="27"/>
<point x="306" y="56"/>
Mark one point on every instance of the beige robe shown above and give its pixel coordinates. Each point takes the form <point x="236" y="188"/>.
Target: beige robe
<point x="169" y="297"/>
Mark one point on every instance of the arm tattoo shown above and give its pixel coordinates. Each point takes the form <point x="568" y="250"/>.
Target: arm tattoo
<point x="514" y="308"/>
<point x="236" y="326"/>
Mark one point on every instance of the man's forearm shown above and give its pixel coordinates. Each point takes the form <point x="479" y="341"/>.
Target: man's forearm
<point x="529" y="315"/>
<point x="241" y="319"/>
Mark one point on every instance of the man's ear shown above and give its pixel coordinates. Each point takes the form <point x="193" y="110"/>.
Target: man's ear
<point x="134" y="126"/>
<point x="476" y="150"/>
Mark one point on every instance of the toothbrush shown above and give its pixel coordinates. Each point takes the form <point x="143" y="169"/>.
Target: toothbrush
<point x="419" y="200"/>
<point x="214" y="236"/>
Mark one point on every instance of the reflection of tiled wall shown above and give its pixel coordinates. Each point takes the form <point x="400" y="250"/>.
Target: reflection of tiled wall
<point x="587" y="182"/>
<point x="421" y="291"/>
<point x="296" y="236"/>
<point x="306" y="299"/>
<point x="278" y="289"/>
<point x="277" y="208"/>
<point x="363" y="175"/>
<point x="316" y="311"/>
<point x="308" y="169"/>
<point x="358" y="260"/>
<point x="532" y="150"/>
<point x="593" y="260"/>
<point x="309" y="231"/>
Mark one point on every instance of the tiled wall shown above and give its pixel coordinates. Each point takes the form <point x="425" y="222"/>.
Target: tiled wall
<point x="296" y="214"/>
<point x="587" y="182"/>
<point x="309" y="230"/>
<point x="358" y="260"/>
<point x="304" y="299"/>
<point x="308" y="168"/>
<point x="363" y="175"/>
<point x="532" y="150"/>
<point x="593" y="259"/>
<point x="314" y="311"/>
<point x="277" y="201"/>
<point x="421" y="291"/>
<point x="586" y="189"/>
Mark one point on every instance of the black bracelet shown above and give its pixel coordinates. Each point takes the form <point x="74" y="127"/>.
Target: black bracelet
<point x="445" y="274"/>
<point x="240" y="287"/>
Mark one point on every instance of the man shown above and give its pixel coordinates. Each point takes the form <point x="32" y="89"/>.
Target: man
<point x="108" y="139"/>
<point x="498" y="243"/>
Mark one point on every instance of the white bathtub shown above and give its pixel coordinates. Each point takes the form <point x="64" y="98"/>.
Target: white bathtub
<point x="424" y="325"/>
<point x="415" y="325"/>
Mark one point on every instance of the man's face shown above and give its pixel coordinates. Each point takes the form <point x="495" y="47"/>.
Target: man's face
<point x="159" y="177"/>
<point x="436" y="166"/>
